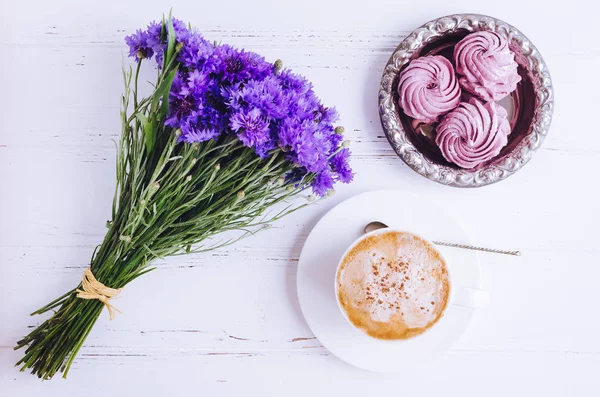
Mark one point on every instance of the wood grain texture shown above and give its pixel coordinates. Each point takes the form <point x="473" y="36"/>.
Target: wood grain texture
<point x="228" y="322"/>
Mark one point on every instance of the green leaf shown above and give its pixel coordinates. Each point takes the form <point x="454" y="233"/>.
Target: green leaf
<point x="151" y="137"/>
<point x="163" y="29"/>
<point x="162" y="91"/>
<point x="149" y="128"/>
<point x="164" y="108"/>
<point x="163" y="37"/>
<point x="143" y="119"/>
<point x="170" y="39"/>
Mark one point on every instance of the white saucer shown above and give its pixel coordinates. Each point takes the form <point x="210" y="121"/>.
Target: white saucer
<point x="323" y="250"/>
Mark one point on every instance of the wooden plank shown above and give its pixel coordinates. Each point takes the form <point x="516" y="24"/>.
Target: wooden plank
<point x="228" y="322"/>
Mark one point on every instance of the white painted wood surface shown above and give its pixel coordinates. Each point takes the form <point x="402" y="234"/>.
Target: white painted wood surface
<point x="228" y="322"/>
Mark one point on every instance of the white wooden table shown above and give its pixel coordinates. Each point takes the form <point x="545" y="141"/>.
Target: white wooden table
<point x="228" y="322"/>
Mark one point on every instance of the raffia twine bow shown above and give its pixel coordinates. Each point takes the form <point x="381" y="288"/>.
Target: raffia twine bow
<point x="94" y="289"/>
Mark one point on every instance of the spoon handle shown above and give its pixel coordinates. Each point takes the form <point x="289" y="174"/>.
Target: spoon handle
<point x="470" y="247"/>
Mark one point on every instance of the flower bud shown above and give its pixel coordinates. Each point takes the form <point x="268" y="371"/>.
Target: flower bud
<point x="346" y="143"/>
<point x="141" y="54"/>
<point x="126" y="239"/>
<point x="331" y="193"/>
<point x="310" y="198"/>
<point x="241" y="195"/>
<point x="217" y="167"/>
<point x="143" y="202"/>
<point x="154" y="188"/>
<point x="178" y="132"/>
<point x="339" y="130"/>
<point x="280" y="181"/>
<point x="290" y="188"/>
<point x="278" y="65"/>
<point x="179" y="46"/>
<point x="188" y="178"/>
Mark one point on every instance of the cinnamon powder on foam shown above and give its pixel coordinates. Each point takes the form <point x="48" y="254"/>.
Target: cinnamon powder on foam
<point x="393" y="285"/>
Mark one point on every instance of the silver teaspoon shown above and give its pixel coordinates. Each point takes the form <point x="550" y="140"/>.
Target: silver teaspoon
<point x="371" y="226"/>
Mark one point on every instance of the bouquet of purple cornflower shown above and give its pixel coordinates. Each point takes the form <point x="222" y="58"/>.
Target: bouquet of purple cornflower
<point x="224" y="136"/>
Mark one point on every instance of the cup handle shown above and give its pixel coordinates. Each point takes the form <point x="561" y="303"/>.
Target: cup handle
<point x="471" y="297"/>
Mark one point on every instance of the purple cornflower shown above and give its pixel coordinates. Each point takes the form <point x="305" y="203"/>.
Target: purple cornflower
<point x="323" y="182"/>
<point x="153" y="35"/>
<point x="197" y="53"/>
<point x="263" y="150"/>
<point x="192" y="134"/>
<point x="307" y="143"/>
<point x="294" y="82"/>
<point x="154" y="41"/>
<point x="183" y="105"/>
<point x="326" y="115"/>
<point x="303" y="106"/>
<point x="251" y="127"/>
<point x="182" y="33"/>
<point x="289" y="133"/>
<point x="158" y="44"/>
<point x="213" y="113"/>
<point x="239" y="65"/>
<point x="138" y="45"/>
<point x="266" y="95"/>
<point x="197" y="84"/>
<point x="335" y="141"/>
<point x="309" y="147"/>
<point x="341" y="166"/>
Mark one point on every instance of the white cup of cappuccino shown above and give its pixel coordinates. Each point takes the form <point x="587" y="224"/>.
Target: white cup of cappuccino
<point x="395" y="285"/>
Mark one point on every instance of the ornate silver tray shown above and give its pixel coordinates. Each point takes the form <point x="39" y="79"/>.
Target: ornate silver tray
<point x="530" y="105"/>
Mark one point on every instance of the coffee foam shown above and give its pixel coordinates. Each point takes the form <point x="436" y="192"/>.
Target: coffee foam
<point x="393" y="285"/>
